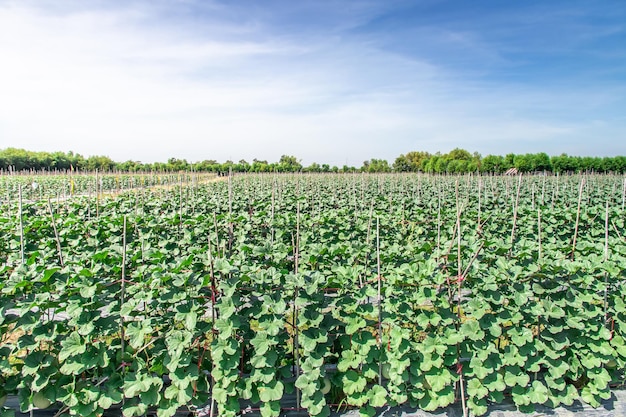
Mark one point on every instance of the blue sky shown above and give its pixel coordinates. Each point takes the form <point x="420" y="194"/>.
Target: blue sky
<point x="334" y="82"/>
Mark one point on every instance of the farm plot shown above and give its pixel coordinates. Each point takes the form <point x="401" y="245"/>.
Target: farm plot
<point x="347" y="290"/>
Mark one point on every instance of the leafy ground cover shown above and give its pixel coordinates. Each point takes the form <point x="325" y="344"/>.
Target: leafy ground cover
<point x="37" y="186"/>
<point x="347" y="290"/>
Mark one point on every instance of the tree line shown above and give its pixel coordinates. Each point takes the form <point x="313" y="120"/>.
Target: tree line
<point x="456" y="161"/>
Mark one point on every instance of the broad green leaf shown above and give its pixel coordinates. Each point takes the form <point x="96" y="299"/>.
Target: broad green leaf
<point x="471" y="330"/>
<point x="353" y="382"/>
<point x="71" y="345"/>
<point x="476" y="389"/>
<point x="377" y="396"/>
<point x="538" y="393"/>
<point x="271" y="392"/>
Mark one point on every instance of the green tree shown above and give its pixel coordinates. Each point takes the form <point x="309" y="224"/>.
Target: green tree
<point x="459" y="154"/>
<point x="259" y="166"/>
<point x="411" y="162"/>
<point x="523" y="163"/>
<point x="314" y="167"/>
<point x="376" y="165"/>
<point x="509" y="161"/>
<point x="99" y="162"/>
<point x="541" y="162"/>
<point x="289" y="163"/>
<point x="130" y="166"/>
<point x="492" y="164"/>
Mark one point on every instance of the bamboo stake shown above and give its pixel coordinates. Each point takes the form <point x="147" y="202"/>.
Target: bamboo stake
<point x="230" y="191"/>
<point x="623" y="194"/>
<point x="297" y="251"/>
<point x="21" y="223"/>
<point x="8" y="201"/>
<point x="97" y="196"/>
<point x="459" y="286"/>
<point x="272" y="210"/>
<point x="380" y="304"/>
<point x="555" y="196"/>
<point x="213" y="298"/>
<point x="56" y="233"/>
<point x="479" y="197"/>
<point x="606" y="232"/>
<point x="438" y="223"/>
<point x="296" y="346"/>
<point x="369" y="223"/>
<point x="515" y="208"/>
<point x="539" y="233"/>
<point x="180" y="204"/>
<point x="123" y="293"/>
<point x="543" y="188"/>
<point x="606" y="258"/>
<point x="580" y="196"/>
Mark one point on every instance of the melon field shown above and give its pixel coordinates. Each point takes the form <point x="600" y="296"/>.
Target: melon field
<point x="352" y="291"/>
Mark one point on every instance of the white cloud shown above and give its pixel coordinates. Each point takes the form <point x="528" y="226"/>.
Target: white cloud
<point x="115" y="82"/>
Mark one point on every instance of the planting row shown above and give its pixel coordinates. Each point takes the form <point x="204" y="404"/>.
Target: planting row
<point x="352" y="290"/>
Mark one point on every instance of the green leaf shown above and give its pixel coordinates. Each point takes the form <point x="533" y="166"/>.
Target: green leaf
<point x="270" y="409"/>
<point x="133" y="408"/>
<point x="494" y="382"/>
<point x="439" y="378"/>
<point x="109" y="397"/>
<point x="191" y="320"/>
<point x="475" y="389"/>
<point x="181" y="396"/>
<point x="377" y="396"/>
<point x="471" y="330"/>
<point x="32" y="363"/>
<point x="432" y="344"/>
<point x="515" y="376"/>
<point x="88" y="291"/>
<point x="71" y="345"/>
<point x="137" y="332"/>
<point x="477" y="406"/>
<point x="353" y="382"/>
<point x="220" y="395"/>
<point x="589" y="395"/>
<point x="273" y="327"/>
<point x="271" y="392"/>
<point x="557" y="368"/>
<point x="266" y="360"/>
<point x="167" y="410"/>
<point x="452" y="337"/>
<point x="428" y="402"/>
<point x="521" y="336"/>
<point x="224" y="327"/>
<point x="261" y="343"/>
<point x="538" y="393"/>
<point x="151" y="397"/>
<point x="72" y="368"/>
<point x="600" y="378"/>
<point x="354" y="324"/>
<point x="137" y="383"/>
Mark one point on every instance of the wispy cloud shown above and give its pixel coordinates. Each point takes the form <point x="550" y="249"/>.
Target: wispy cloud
<point x="149" y="81"/>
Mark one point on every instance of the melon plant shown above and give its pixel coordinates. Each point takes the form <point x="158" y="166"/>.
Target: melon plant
<point x="361" y="290"/>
